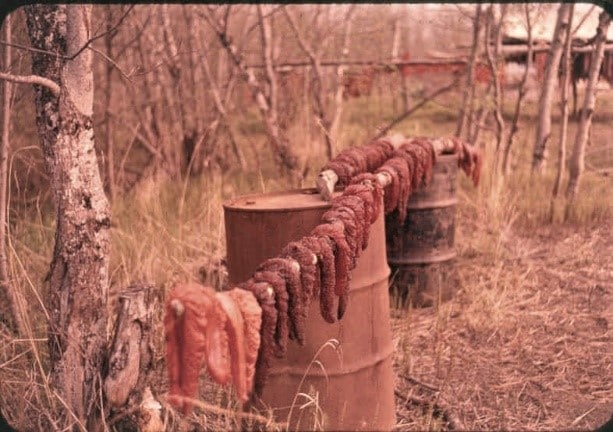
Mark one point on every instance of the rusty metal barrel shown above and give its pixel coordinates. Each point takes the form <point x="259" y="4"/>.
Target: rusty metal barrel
<point x="319" y="385"/>
<point x="421" y="251"/>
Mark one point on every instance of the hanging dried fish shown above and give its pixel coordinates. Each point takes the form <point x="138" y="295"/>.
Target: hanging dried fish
<point x="281" y="303"/>
<point x="402" y="169"/>
<point x="418" y="163"/>
<point x="353" y="232"/>
<point x="383" y="148"/>
<point x="410" y="165"/>
<point x="324" y="249"/>
<point x="427" y="163"/>
<point x="235" y="331"/>
<point x="252" y="317"/>
<point x="361" y="210"/>
<point x="366" y="194"/>
<point x="370" y="180"/>
<point x="308" y="269"/>
<point x="392" y="191"/>
<point x="265" y="296"/>
<point x="469" y="159"/>
<point x="194" y="328"/>
<point x="289" y="269"/>
<point x="353" y="157"/>
<point x="342" y="259"/>
<point x="426" y="144"/>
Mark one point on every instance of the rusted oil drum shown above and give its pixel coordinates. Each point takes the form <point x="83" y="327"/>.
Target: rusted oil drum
<point x="421" y="252"/>
<point x="349" y="388"/>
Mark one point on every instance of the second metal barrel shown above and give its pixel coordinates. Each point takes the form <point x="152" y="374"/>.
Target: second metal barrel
<point x="342" y="378"/>
<point x="421" y="251"/>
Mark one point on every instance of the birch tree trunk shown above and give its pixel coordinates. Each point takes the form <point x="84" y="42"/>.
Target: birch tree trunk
<point x="543" y="126"/>
<point x="523" y="89"/>
<point x="577" y="162"/>
<point x="340" y="72"/>
<point x="78" y="277"/>
<point x="493" y="60"/>
<point x="467" y="111"/>
<point x="565" y="82"/>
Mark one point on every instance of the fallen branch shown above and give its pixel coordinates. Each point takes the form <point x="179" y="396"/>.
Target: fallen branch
<point x="439" y="408"/>
<point x="420" y="383"/>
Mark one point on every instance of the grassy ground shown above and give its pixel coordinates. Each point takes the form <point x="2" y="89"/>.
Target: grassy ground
<point x="525" y="343"/>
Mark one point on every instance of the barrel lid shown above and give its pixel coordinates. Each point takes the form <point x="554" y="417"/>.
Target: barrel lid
<point x="292" y="200"/>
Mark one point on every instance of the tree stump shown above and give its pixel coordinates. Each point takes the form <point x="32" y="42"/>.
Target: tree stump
<point x="130" y="362"/>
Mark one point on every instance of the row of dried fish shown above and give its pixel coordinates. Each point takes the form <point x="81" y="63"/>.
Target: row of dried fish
<point x="315" y="267"/>
<point x="237" y="333"/>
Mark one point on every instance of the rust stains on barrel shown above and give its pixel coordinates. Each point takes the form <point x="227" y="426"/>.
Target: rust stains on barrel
<point x="352" y="385"/>
<point x="421" y="251"/>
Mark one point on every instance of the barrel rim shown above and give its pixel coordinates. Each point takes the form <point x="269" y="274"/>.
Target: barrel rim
<point x="427" y="258"/>
<point x="432" y="204"/>
<point x="232" y="204"/>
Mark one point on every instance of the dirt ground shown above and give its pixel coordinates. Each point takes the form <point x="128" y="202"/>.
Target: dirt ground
<point x="526" y="344"/>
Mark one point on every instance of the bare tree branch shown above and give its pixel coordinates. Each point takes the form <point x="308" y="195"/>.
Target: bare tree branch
<point x="424" y="101"/>
<point x="101" y="35"/>
<point x="28" y="48"/>
<point x="32" y="79"/>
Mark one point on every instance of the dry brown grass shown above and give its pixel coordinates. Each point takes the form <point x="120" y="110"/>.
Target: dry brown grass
<point x="525" y="345"/>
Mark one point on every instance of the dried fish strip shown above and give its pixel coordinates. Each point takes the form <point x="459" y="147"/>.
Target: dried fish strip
<point x="252" y="318"/>
<point x="400" y="166"/>
<point x="308" y="268"/>
<point x="418" y="163"/>
<point x="353" y="157"/>
<point x="235" y="331"/>
<point x="359" y="207"/>
<point x="193" y="326"/>
<point x="352" y="229"/>
<point x="323" y="248"/>
<point x="289" y="269"/>
<point x="426" y="144"/>
<point x="265" y="297"/>
<point x="365" y="193"/>
<point x="427" y="163"/>
<point x="370" y="180"/>
<point x="392" y="191"/>
<point x="281" y="303"/>
<point x="343" y="256"/>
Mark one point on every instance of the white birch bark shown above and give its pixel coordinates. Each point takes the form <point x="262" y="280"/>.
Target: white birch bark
<point x="543" y="126"/>
<point x="577" y="162"/>
<point x="565" y="82"/>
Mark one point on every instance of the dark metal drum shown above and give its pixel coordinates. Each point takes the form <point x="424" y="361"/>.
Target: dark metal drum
<point x="421" y="251"/>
